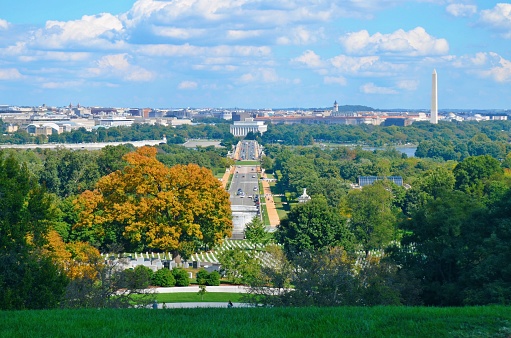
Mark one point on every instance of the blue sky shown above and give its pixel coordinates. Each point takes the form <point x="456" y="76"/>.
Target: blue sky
<point x="255" y="53"/>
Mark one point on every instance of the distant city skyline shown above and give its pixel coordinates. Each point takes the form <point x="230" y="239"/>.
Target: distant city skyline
<point x="256" y="54"/>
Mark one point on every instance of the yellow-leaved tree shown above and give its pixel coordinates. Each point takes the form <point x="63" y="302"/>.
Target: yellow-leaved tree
<point x="76" y="259"/>
<point x="148" y="205"/>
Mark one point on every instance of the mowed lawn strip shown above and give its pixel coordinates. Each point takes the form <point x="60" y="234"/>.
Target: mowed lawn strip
<point x="488" y="321"/>
<point x="186" y="297"/>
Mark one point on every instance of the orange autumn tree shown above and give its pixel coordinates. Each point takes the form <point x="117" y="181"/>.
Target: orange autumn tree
<point x="149" y="205"/>
<point x="76" y="259"/>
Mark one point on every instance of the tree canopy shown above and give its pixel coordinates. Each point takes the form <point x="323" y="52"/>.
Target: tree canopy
<point x="148" y="205"/>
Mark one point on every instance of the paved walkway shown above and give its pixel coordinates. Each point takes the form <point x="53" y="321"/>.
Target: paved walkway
<point x="227" y="174"/>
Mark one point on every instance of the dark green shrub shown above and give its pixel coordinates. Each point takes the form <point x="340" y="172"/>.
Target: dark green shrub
<point x="138" y="278"/>
<point x="181" y="277"/>
<point x="213" y="279"/>
<point x="163" y="277"/>
<point x="202" y="277"/>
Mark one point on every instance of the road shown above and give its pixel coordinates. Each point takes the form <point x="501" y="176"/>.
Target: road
<point x="244" y="185"/>
<point x="247" y="151"/>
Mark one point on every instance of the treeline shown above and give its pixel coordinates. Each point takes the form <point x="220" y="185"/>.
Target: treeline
<point x="445" y="140"/>
<point x="136" y="132"/>
<point x="378" y="136"/>
<point x="442" y="241"/>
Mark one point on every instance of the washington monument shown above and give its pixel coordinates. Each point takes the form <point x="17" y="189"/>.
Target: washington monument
<point x="434" y="99"/>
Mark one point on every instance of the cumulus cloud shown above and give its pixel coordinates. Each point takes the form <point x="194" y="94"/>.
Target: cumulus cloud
<point x="102" y="30"/>
<point x="499" y="69"/>
<point x="498" y="18"/>
<point x="3" y="24"/>
<point x="300" y="36"/>
<point x="117" y="65"/>
<point x="348" y="64"/>
<point x="10" y="74"/>
<point x="461" y="10"/>
<point x="371" y="88"/>
<point x="187" y="85"/>
<point x="416" y="42"/>
<point x="309" y="58"/>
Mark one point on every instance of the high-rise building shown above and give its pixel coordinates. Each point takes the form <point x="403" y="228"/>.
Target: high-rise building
<point x="434" y="99"/>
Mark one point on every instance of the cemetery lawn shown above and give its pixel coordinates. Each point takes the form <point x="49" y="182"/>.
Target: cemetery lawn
<point x="187" y="297"/>
<point x="487" y="321"/>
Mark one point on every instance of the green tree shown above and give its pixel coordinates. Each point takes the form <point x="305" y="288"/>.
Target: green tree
<point x="240" y="266"/>
<point x="28" y="278"/>
<point x="312" y="226"/>
<point x="255" y="232"/>
<point x="372" y="216"/>
<point x="438" y="234"/>
<point x="474" y="172"/>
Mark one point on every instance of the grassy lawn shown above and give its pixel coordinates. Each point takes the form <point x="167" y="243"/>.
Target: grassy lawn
<point x="187" y="297"/>
<point x="266" y="219"/>
<point x="367" y="322"/>
<point x="247" y="163"/>
<point x="282" y="208"/>
<point x="281" y="202"/>
<point x="229" y="181"/>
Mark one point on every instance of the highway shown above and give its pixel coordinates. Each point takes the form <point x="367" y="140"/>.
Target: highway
<point x="244" y="180"/>
<point x="244" y="188"/>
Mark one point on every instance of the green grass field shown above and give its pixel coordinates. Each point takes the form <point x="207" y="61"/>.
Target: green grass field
<point x="491" y="321"/>
<point x="187" y="297"/>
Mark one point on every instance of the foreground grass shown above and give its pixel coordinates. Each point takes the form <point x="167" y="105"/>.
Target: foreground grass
<point x="492" y="321"/>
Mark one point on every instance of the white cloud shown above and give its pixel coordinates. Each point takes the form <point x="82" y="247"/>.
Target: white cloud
<point x="264" y="75"/>
<point x="300" y="36"/>
<point x="498" y="18"/>
<point x="371" y="88"/>
<point x="409" y="85"/>
<point x="479" y="59"/>
<point x="214" y="51"/>
<point x="461" y="10"/>
<point x="348" y="64"/>
<point x="10" y="74"/>
<point x="238" y="34"/>
<point x="61" y="84"/>
<point x="499" y="69"/>
<point x="335" y="80"/>
<point x="178" y="33"/>
<point x="4" y="24"/>
<point x="413" y="43"/>
<point x="91" y="30"/>
<point x="187" y="85"/>
<point x="117" y="65"/>
<point x="309" y="58"/>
